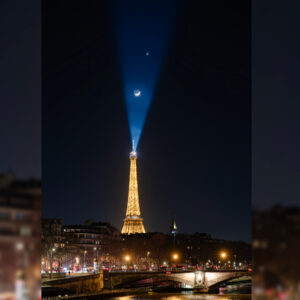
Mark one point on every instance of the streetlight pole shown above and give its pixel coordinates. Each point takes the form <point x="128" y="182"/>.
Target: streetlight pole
<point x="84" y="254"/>
<point x="96" y="259"/>
<point x="223" y="256"/>
<point x="175" y="257"/>
<point x="127" y="259"/>
<point x="51" y="261"/>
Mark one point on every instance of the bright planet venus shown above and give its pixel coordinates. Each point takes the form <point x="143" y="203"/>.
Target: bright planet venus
<point x="137" y="93"/>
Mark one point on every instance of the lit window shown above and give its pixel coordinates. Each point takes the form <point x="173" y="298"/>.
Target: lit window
<point x="25" y="231"/>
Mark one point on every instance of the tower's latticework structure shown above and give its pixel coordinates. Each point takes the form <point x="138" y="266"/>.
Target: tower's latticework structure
<point x="133" y="223"/>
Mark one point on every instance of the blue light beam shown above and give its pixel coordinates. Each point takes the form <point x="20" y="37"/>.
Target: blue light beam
<point x="143" y="30"/>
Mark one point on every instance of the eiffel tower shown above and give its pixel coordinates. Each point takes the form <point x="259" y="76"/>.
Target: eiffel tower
<point x="133" y="223"/>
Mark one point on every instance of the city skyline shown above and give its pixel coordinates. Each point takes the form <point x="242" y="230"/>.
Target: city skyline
<point x="220" y="164"/>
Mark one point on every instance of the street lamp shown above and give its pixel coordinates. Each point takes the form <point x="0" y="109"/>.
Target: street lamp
<point x="127" y="259"/>
<point x="148" y="259"/>
<point x="175" y="257"/>
<point x="51" y="260"/>
<point x="223" y="255"/>
<point x="96" y="259"/>
<point x="84" y="254"/>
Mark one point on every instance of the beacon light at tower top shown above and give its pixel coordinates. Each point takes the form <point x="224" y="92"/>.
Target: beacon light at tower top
<point x="133" y="153"/>
<point x="141" y="58"/>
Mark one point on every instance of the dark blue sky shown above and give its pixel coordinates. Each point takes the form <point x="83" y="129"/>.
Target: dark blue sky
<point x="194" y="153"/>
<point x="20" y="87"/>
<point x="276" y="105"/>
<point x="77" y="64"/>
<point x="143" y="30"/>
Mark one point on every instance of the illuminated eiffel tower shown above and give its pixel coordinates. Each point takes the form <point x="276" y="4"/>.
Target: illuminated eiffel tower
<point x="133" y="223"/>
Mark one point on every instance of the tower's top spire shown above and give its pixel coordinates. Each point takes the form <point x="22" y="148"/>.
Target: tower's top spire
<point x="133" y="153"/>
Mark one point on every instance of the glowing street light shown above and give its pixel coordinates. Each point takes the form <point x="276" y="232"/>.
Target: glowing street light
<point x="96" y="259"/>
<point x="84" y="254"/>
<point x="127" y="258"/>
<point x="175" y="257"/>
<point x="51" y="260"/>
<point x="223" y="256"/>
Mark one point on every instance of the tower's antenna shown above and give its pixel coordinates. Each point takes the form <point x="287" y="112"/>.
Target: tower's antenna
<point x="132" y="145"/>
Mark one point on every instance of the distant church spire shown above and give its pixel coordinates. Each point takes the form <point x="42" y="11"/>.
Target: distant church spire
<point x="173" y="229"/>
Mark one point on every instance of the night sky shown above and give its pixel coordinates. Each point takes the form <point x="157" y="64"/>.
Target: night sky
<point x="20" y="87"/>
<point x="195" y="150"/>
<point x="276" y="104"/>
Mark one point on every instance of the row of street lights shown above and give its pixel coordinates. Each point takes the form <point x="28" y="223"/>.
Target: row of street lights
<point x="175" y="256"/>
<point x="127" y="258"/>
<point x="52" y="250"/>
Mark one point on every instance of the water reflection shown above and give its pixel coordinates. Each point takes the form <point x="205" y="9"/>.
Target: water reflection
<point x="186" y="297"/>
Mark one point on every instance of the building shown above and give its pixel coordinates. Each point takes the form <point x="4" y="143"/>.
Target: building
<point x="133" y="222"/>
<point x="275" y="243"/>
<point x="83" y="236"/>
<point x="90" y="235"/>
<point x="52" y="231"/>
<point x="92" y="242"/>
<point x="192" y="250"/>
<point x="20" y="233"/>
<point x="64" y="246"/>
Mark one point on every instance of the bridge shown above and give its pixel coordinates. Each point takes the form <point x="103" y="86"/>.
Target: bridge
<point x="90" y="283"/>
<point x="190" y="279"/>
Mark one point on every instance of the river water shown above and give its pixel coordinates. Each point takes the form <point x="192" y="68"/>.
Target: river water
<point x="182" y="296"/>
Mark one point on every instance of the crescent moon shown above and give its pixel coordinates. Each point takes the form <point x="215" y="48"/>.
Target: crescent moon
<point x="137" y="93"/>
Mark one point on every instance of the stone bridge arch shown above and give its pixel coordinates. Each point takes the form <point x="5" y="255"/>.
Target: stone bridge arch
<point x="198" y="279"/>
<point x="214" y="278"/>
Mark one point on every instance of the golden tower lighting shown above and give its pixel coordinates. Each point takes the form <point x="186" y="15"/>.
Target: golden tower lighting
<point x="133" y="223"/>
